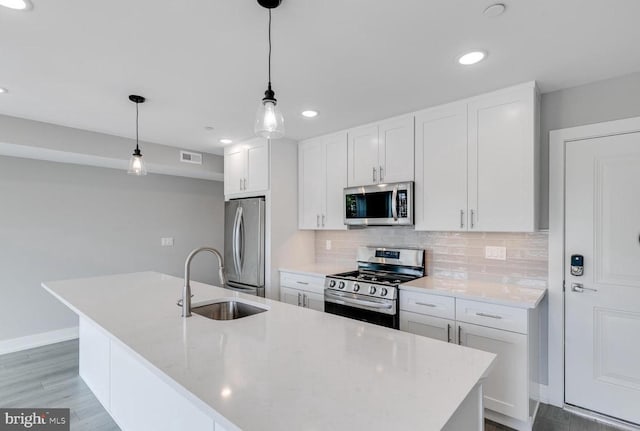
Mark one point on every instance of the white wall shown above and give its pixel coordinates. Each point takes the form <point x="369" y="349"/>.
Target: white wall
<point x="611" y="99"/>
<point x="62" y="221"/>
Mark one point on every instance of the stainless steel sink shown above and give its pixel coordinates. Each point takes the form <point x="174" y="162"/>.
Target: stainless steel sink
<point x="227" y="310"/>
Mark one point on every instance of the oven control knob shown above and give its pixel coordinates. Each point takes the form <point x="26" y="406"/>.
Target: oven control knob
<point x="383" y="291"/>
<point x="356" y="287"/>
<point x="372" y="290"/>
<point x="332" y="283"/>
<point x="341" y="285"/>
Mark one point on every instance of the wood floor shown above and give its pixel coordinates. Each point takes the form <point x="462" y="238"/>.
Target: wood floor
<point x="48" y="377"/>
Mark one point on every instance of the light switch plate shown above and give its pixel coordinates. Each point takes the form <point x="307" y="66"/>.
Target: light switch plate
<point x="166" y="242"/>
<point x="495" y="253"/>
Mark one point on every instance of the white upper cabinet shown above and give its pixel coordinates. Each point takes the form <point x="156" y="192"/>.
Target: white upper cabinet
<point x="381" y="153"/>
<point x="246" y="167"/>
<point x="396" y="150"/>
<point x="476" y="163"/>
<point x="503" y="134"/>
<point x="441" y="168"/>
<point x="322" y="177"/>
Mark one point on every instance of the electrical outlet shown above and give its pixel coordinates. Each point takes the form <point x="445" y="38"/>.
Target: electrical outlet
<point x="495" y="253"/>
<point x="327" y="244"/>
<point x="166" y="242"/>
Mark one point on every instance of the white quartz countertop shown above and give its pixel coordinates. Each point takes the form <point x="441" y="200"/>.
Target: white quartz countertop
<point x="497" y="293"/>
<point x="289" y="368"/>
<point x="317" y="269"/>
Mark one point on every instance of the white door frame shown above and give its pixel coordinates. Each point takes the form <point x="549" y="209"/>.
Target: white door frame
<point x="557" y="144"/>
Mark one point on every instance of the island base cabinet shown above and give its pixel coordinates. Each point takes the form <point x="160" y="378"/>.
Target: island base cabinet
<point x="469" y="416"/>
<point x="505" y="390"/>
<point x="95" y="351"/>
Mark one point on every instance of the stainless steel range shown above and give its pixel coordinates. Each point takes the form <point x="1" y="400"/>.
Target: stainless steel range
<point x="371" y="294"/>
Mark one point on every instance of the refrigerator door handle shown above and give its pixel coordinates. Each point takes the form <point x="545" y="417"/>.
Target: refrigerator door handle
<point x="236" y="234"/>
<point x="241" y="241"/>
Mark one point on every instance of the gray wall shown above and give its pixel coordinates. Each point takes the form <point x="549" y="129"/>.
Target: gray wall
<point x="611" y="99"/>
<point x="62" y="221"/>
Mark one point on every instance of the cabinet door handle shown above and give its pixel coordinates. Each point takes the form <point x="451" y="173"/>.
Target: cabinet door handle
<point x="317" y="220"/>
<point x="459" y="335"/>
<point x="461" y="219"/>
<point x="426" y="304"/>
<point x="305" y="300"/>
<point x="448" y="332"/>
<point x="473" y="213"/>
<point x="302" y="282"/>
<point x="491" y="316"/>
<point x="374" y="175"/>
<point x="323" y="220"/>
<point x="245" y="184"/>
<point x="298" y="299"/>
<point x="381" y="176"/>
<point x="240" y="183"/>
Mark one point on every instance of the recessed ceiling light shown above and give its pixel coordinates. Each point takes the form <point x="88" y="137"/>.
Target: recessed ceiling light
<point x="225" y="141"/>
<point x="494" y="10"/>
<point x="16" y="4"/>
<point x="472" y="57"/>
<point x="310" y="114"/>
<point x="3" y="90"/>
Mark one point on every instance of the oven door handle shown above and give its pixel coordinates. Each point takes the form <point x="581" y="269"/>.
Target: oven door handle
<point x="394" y="203"/>
<point x="339" y="299"/>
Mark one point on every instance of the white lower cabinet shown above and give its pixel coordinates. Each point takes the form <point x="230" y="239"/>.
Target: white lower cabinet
<point x="506" y="389"/>
<point x="302" y="290"/>
<point x="511" y="392"/>
<point x="428" y="326"/>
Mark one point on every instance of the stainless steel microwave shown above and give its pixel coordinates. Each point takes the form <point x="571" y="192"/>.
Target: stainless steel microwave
<point x="379" y="205"/>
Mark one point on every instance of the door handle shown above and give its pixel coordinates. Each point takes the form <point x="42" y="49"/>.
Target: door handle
<point x="236" y="241"/>
<point x="240" y="183"/>
<point x="473" y="213"/>
<point x="374" y="175"/>
<point x="298" y="299"/>
<point x="394" y="203"/>
<point x="579" y="288"/>
<point x="459" y="335"/>
<point x="381" y="176"/>
<point x="305" y="300"/>
<point x="323" y="220"/>
<point x="245" y="184"/>
<point x="448" y="332"/>
<point x="461" y="219"/>
<point x="317" y="220"/>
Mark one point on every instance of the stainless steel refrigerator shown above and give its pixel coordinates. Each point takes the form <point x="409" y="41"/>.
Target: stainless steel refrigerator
<point x="244" y="245"/>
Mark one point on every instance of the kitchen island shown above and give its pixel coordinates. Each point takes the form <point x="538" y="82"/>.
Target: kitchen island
<point x="288" y="368"/>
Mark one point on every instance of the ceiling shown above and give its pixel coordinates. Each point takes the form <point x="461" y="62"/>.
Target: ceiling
<point x="203" y="62"/>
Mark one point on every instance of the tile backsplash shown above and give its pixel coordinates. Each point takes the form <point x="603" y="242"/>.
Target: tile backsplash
<point x="449" y="254"/>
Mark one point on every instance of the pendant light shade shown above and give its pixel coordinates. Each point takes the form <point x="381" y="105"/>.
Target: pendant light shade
<point x="136" y="164"/>
<point x="269" y="120"/>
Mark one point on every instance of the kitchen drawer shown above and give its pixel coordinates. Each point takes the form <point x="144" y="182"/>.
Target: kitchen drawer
<point x="492" y="315"/>
<point x="430" y="305"/>
<point x="309" y="283"/>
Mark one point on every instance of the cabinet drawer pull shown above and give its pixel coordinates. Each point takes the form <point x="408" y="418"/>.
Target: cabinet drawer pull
<point x="426" y="304"/>
<point x="448" y="332"/>
<point x="491" y="316"/>
<point x="302" y="282"/>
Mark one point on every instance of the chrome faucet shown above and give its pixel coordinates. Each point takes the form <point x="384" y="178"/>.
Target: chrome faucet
<point x="186" y="292"/>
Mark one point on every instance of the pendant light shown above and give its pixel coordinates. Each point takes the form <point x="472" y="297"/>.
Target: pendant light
<point x="269" y="120"/>
<point x="136" y="164"/>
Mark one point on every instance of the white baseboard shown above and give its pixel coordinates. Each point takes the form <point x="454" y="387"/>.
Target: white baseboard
<point x="544" y="394"/>
<point x="37" y="340"/>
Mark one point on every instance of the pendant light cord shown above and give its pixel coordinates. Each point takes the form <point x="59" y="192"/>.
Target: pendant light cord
<point x="269" y="48"/>
<point x="137" y="114"/>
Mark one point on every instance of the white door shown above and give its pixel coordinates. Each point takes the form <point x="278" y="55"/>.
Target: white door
<point x="234" y="170"/>
<point x="291" y="296"/>
<point x="502" y="155"/>
<point x="311" y="177"/>
<point x="505" y="390"/>
<point x="335" y="170"/>
<point x="602" y="223"/>
<point x="441" y="168"/>
<point x="363" y="156"/>
<point x="396" y="150"/>
<point x="258" y="166"/>
<point x="428" y="326"/>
